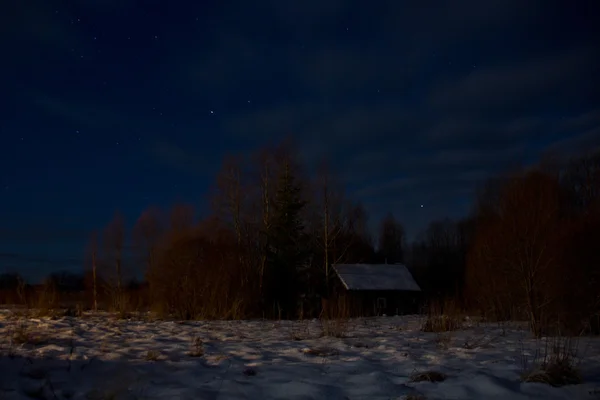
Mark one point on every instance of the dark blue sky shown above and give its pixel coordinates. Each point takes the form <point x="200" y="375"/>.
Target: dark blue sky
<point x="119" y="104"/>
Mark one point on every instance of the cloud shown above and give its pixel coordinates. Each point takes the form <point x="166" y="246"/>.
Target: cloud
<point x="171" y="154"/>
<point x="189" y="160"/>
<point x="387" y="92"/>
<point x="328" y="122"/>
<point x="580" y="143"/>
<point x="521" y="87"/>
<point x="102" y="119"/>
<point x="336" y="47"/>
<point x="88" y="115"/>
<point x="585" y="120"/>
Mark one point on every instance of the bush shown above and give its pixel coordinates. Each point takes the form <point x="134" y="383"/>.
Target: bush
<point x="428" y="376"/>
<point x="559" y="365"/>
<point x="442" y="317"/>
<point x="335" y="321"/>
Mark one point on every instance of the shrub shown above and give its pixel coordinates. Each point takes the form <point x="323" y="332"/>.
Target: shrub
<point x="335" y="321"/>
<point x="559" y="365"/>
<point x="442" y="317"/>
<point x="197" y="348"/>
<point x="428" y="376"/>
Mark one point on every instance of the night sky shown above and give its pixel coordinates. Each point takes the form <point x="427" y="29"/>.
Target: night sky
<point x="121" y="104"/>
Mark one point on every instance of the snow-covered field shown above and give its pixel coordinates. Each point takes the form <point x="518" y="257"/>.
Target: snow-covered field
<point x="98" y="357"/>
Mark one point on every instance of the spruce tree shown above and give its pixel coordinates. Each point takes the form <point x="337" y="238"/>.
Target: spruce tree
<point x="287" y="250"/>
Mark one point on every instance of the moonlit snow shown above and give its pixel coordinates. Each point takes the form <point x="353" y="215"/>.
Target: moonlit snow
<point x="100" y="357"/>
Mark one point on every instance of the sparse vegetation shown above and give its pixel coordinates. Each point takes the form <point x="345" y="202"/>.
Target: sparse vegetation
<point x="415" y="397"/>
<point x="479" y="341"/>
<point x="442" y="317"/>
<point x="152" y="355"/>
<point x="267" y="247"/>
<point x="321" y="351"/>
<point x="428" y="376"/>
<point x="25" y="334"/>
<point x="557" y="364"/>
<point x="443" y="340"/>
<point x="336" y="327"/>
<point x="335" y="320"/>
<point x="300" y="330"/>
<point x="197" y="347"/>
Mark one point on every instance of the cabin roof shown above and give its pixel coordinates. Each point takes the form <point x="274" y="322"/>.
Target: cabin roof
<point x="376" y="277"/>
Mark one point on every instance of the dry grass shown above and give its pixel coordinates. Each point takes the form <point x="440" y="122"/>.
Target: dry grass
<point x="441" y="323"/>
<point x="443" y="340"/>
<point x="476" y="342"/>
<point x="557" y="366"/>
<point x="152" y="355"/>
<point x="24" y="334"/>
<point x="337" y="327"/>
<point x="415" y="396"/>
<point x="197" y="348"/>
<point x="443" y="317"/>
<point x="321" y="352"/>
<point x="428" y="376"/>
<point x="335" y="320"/>
<point x="300" y="330"/>
<point x="556" y="373"/>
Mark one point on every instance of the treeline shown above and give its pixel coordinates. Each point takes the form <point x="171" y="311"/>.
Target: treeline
<point x="528" y="250"/>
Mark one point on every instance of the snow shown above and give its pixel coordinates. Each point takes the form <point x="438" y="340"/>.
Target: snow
<point x="376" y="277"/>
<point x="100" y="357"/>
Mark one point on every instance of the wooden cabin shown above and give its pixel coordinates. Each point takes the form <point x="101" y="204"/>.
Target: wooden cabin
<point x="377" y="289"/>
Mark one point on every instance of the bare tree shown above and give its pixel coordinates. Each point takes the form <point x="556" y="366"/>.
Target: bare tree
<point x="230" y="195"/>
<point x="391" y="240"/>
<point x="514" y="255"/>
<point x="266" y="178"/>
<point x="356" y="233"/>
<point x="231" y="204"/>
<point x="582" y="180"/>
<point x="181" y="217"/>
<point x="114" y="244"/>
<point x="93" y="252"/>
<point x="147" y="233"/>
<point x="330" y="228"/>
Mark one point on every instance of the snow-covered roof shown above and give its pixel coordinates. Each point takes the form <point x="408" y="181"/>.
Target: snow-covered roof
<point x="376" y="277"/>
